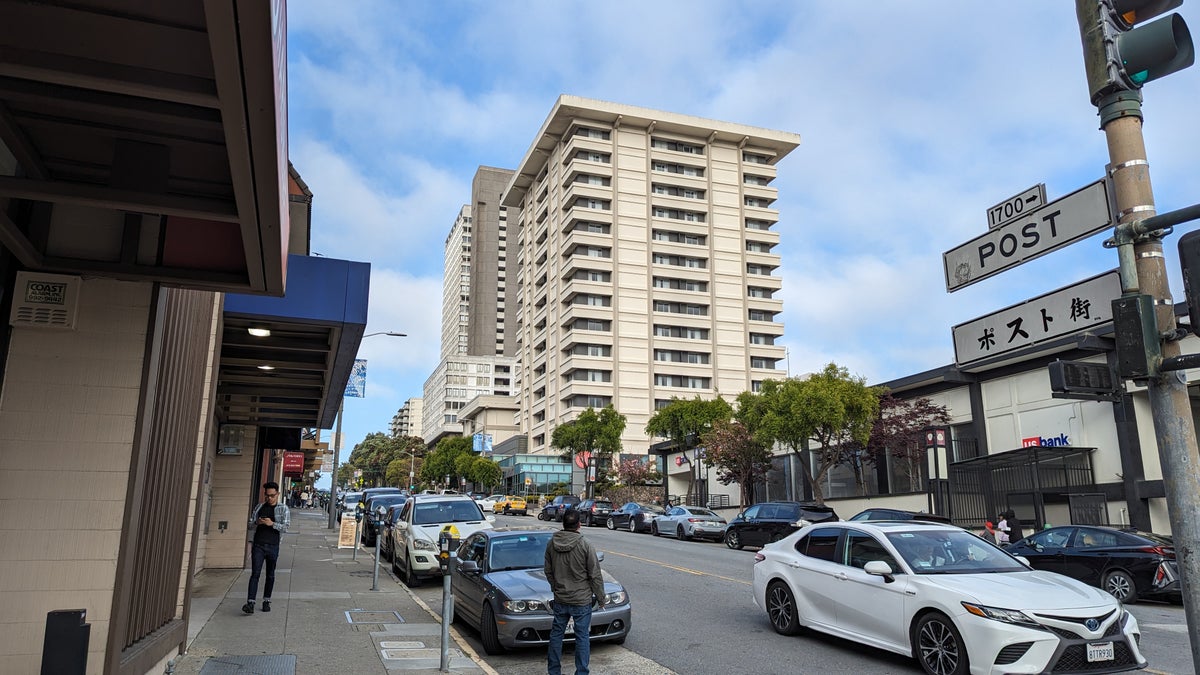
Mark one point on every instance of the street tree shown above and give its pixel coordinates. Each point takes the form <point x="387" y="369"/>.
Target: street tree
<point x="899" y="431"/>
<point x="634" y="471"/>
<point x="484" y="471"/>
<point x="820" y="414"/>
<point x="443" y="461"/>
<point x="737" y="456"/>
<point x="683" y="421"/>
<point x="595" y="433"/>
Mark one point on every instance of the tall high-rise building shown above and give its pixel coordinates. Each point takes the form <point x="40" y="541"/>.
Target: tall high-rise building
<point x="643" y="263"/>
<point x="473" y="301"/>
<point x="407" y="420"/>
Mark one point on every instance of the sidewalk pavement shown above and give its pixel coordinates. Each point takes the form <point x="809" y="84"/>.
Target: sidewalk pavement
<point x="324" y="617"/>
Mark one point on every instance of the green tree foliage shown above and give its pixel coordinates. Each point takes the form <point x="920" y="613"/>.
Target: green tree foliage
<point x="595" y="433"/>
<point x="823" y="414"/>
<point x="443" y="461"/>
<point x="684" y="421"/>
<point x="737" y="456"/>
<point x="485" y="472"/>
<point x="377" y="451"/>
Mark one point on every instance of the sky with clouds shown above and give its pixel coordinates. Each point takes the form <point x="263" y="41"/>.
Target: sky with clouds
<point x="914" y="118"/>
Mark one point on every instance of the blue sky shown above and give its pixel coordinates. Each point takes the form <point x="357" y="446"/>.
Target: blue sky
<point x="914" y="118"/>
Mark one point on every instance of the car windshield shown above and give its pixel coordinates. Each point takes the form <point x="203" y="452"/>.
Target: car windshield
<point x="518" y="552"/>
<point x="652" y="508"/>
<point x="446" y="512"/>
<point x="951" y="552"/>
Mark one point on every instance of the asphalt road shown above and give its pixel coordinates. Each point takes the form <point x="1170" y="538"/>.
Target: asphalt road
<point x="693" y="613"/>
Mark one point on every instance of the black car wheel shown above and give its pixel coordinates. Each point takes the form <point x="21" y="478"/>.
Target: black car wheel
<point x="410" y="579"/>
<point x="938" y="646"/>
<point x="632" y="525"/>
<point x="488" y="633"/>
<point x="680" y="534"/>
<point x="506" y="509"/>
<point x="732" y="540"/>
<point x="610" y="524"/>
<point x="781" y="609"/>
<point x="654" y="528"/>
<point x="1120" y="585"/>
<point x="542" y="514"/>
<point x="587" y="522"/>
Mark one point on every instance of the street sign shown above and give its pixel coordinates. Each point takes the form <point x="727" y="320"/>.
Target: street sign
<point x="1063" y="221"/>
<point x="1014" y="207"/>
<point x="1084" y="305"/>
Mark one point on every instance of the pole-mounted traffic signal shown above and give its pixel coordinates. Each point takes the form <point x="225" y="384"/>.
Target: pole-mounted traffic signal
<point x="1120" y="57"/>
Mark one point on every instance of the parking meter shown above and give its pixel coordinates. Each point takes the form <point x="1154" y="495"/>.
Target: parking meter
<point x="447" y="545"/>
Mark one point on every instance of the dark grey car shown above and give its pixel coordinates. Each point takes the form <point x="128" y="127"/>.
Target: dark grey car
<point x="500" y="589"/>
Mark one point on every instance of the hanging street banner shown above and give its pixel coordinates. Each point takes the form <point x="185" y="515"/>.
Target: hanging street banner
<point x="482" y="443"/>
<point x="1076" y="308"/>
<point x="356" y="386"/>
<point x="1063" y="221"/>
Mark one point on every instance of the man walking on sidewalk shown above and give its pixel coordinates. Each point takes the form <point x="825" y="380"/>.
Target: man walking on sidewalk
<point x="574" y="574"/>
<point x="269" y="520"/>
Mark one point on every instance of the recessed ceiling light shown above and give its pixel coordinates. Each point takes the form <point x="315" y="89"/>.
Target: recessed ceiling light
<point x="266" y="367"/>
<point x="259" y="332"/>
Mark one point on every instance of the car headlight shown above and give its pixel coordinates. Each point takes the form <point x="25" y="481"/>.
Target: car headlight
<point x="616" y="598"/>
<point x="999" y="614"/>
<point x="526" y="606"/>
<point x="424" y="545"/>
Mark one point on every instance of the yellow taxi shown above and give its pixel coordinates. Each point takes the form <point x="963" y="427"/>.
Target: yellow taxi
<point x="510" y="505"/>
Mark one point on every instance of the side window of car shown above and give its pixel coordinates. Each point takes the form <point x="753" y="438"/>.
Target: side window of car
<point x="820" y="544"/>
<point x="472" y="549"/>
<point x="767" y="512"/>
<point x="1050" y="539"/>
<point x="862" y="548"/>
<point x="752" y="512"/>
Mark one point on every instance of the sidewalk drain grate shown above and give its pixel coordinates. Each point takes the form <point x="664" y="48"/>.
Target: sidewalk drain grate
<point x="281" y="664"/>
<point x="370" y="616"/>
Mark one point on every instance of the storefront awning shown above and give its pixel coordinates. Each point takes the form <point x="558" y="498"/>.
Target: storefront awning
<point x="296" y="374"/>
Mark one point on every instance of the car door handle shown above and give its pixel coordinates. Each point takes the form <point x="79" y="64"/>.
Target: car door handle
<point x="841" y="576"/>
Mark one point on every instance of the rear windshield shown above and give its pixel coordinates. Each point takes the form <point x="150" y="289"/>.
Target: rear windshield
<point x="607" y="505"/>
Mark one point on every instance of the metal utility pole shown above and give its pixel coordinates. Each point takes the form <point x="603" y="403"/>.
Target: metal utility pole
<point x="1119" y="59"/>
<point x="337" y="449"/>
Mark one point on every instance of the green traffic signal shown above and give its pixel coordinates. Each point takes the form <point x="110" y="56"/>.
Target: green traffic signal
<point x="1119" y="56"/>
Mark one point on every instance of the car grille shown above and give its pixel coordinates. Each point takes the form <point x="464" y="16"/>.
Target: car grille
<point x="1074" y="659"/>
<point x="1113" y="630"/>
<point x="1012" y="653"/>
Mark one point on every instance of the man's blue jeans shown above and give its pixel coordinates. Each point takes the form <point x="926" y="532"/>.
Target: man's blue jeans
<point x="260" y="553"/>
<point x="583" y="642"/>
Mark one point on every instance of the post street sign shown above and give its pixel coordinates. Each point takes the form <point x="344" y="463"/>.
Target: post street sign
<point x="1014" y="207"/>
<point x="1063" y="221"/>
<point x="1084" y="305"/>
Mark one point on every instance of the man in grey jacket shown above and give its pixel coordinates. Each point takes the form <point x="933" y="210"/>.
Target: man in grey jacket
<point x="574" y="575"/>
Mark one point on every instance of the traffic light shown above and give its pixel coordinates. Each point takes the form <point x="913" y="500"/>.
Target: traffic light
<point x="1120" y="57"/>
<point x="1189" y="264"/>
<point x="1081" y="377"/>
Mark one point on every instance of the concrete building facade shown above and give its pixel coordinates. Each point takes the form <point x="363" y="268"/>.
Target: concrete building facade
<point x="644" y="259"/>
<point x="407" y="420"/>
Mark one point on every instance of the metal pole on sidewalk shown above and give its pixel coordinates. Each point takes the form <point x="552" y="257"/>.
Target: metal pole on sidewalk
<point x="337" y="448"/>
<point x="357" y="524"/>
<point x="447" y="615"/>
<point x="375" y="576"/>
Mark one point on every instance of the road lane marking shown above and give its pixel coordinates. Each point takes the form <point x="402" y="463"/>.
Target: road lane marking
<point x="679" y="569"/>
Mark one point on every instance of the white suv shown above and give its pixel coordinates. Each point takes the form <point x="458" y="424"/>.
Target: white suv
<point x="418" y="526"/>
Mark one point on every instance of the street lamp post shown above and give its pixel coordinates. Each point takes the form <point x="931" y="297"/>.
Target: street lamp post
<point x="337" y="440"/>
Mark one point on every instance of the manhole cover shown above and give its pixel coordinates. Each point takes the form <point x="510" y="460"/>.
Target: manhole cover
<point x="367" y="616"/>
<point x="281" y="664"/>
<point x="362" y="573"/>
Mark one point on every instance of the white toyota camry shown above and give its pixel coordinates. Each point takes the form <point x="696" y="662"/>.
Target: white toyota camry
<point x="951" y="600"/>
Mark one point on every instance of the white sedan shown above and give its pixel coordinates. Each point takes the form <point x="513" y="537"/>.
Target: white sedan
<point x="488" y="504"/>
<point x="944" y="596"/>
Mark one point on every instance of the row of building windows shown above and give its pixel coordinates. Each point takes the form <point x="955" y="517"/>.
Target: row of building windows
<point x="690" y="309"/>
<point x="678" y="214"/>
<point x="681" y="284"/>
<point x="685" y="381"/>
<point x="685" y="332"/>
<point x="585" y="375"/>
<point x="679" y="261"/>
<point x="677" y="146"/>
<point x="679" y="237"/>
<point x="592" y="300"/>
<point x="678" y="356"/>
<point x="676" y="191"/>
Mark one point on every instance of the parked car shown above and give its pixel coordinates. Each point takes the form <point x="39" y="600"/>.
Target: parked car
<point x="511" y="505"/>
<point x="1127" y="563"/>
<point x="594" y="511"/>
<point x="944" y="596"/>
<point x="764" y="523"/>
<point x="487" y="502"/>
<point x="418" y="526"/>
<point x="556" y="508"/>
<point x="898" y="514"/>
<point x="368" y="533"/>
<point x="500" y="589"/>
<point x="634" y="516"/>
<point x="348" y="504"/>
<point x="385" y="537"/>
<point x="689" y="522"/>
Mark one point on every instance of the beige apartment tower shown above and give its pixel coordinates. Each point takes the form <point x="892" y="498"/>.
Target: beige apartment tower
<point x="644" y="264"/>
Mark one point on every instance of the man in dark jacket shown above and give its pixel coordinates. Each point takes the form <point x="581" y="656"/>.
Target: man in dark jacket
<point x="574" y="575"/>
<point x="269" y="520"/>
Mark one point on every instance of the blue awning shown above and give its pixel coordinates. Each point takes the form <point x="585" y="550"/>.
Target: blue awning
<point x="295" y="375"/>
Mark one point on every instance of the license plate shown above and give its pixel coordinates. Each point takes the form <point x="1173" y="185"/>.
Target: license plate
<point x="1100" y="651"/>
<point x="571" y="631"/>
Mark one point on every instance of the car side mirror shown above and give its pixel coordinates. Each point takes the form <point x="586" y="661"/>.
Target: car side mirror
<point x="740" y="516"/>
<point x="1039" y="548"/>
<point x="1023" y="560"/>
<point x="490" y="519"/>
<point x="468" y="566"/>
<point x="600" y="556"/>
<point x="880" y="568"/>
<point x="402" y="525"/>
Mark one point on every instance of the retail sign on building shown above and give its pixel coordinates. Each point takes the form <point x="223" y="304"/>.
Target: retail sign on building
<point x="1085" y="305"/>
<point x="293" y="463"/>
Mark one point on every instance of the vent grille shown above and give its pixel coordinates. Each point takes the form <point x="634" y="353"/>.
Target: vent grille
<point x="45" y="300"/>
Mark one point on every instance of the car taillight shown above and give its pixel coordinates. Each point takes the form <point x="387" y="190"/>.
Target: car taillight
<point x="693" y="520"/>
<point x="1168" y="553"/>
<point x="759" y="557"/>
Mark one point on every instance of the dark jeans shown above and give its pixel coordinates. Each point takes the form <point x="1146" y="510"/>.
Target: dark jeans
<point x="258" y="554"/>
<point x="583" y="641"/>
